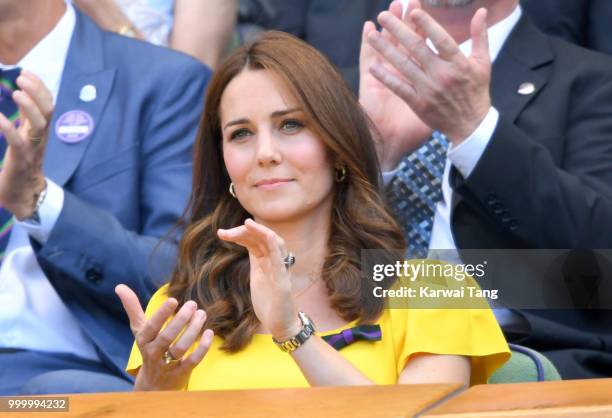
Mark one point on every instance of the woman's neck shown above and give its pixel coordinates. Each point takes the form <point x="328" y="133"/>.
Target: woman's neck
<point x="307" y="239"/>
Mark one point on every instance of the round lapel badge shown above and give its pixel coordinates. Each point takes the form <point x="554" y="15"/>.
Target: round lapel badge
<point x="525" y="89"/>
<point x="88" y="93"/>
<point x="74" y="126"/>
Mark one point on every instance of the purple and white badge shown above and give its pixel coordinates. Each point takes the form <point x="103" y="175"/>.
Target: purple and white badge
<point x="74" y="126"/>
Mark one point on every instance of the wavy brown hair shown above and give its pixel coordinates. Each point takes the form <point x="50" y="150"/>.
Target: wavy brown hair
<point x="215" y="273"/>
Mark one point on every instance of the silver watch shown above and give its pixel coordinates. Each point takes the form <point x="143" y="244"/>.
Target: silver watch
<point x="293" y="343"/>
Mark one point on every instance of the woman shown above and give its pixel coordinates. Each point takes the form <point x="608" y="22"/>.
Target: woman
<point x="285" y="164"/>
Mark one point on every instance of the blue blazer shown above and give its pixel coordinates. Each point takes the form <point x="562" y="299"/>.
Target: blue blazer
<point x="126" y="184"/>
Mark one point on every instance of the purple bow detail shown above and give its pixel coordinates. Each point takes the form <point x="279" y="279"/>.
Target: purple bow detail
<point x="349" y="336"/>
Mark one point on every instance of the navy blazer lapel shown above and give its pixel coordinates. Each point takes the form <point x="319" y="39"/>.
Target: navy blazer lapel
<point x="522" y="60"/>
<point x="84" y="65"/>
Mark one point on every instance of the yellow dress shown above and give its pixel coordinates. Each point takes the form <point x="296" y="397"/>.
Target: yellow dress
<point x="468" y="332"/>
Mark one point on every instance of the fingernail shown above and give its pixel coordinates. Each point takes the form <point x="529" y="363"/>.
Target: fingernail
<point x="416" y="14"/>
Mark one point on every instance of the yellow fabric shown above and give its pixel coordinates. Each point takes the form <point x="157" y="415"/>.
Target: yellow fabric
<point x="468" y="332"/>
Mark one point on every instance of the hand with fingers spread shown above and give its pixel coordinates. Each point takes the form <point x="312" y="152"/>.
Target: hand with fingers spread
<point x="270" y="280"/>
<point x="166" y="361"/>
<point x="401" y="130"/>
<point x="447" y="90"/>
<point x="21" y="177"/>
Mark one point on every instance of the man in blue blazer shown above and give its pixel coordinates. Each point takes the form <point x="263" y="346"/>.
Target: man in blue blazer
<point x="87" y="194"/>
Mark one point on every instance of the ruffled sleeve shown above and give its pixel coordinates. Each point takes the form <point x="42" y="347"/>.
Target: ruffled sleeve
<point x="473" y="333"/>
<point x="451" y="326"/>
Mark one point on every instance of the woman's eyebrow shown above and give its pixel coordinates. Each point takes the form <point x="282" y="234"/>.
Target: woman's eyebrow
<point x="275" y="114"/>
<point x="235" y="122"/>
<point x="279" y="113"/>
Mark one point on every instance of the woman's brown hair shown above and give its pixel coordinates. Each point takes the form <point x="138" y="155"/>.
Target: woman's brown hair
<point x="214" y="273"/>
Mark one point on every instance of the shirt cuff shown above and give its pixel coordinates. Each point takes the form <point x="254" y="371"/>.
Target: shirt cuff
<point x="49" y="212"/>
<point x="466" y="155"/>
<point x="387" y="176"/>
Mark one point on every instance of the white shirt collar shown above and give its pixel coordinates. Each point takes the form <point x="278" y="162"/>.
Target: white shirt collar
<point x="47" y="58"/>
<point x="498" y="33"/>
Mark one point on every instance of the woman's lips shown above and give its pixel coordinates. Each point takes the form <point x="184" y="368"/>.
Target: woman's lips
<point x="271" y="184"/>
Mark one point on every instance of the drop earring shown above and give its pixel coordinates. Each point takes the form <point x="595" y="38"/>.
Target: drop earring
<point x="340" y="175"/>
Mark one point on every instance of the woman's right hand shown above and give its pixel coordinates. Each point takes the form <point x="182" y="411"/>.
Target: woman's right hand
<point x="153" y="342"/>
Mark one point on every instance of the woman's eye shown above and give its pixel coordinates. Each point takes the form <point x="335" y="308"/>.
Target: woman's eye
<point x="240" y="133"/>
<point x="292" y="125"/>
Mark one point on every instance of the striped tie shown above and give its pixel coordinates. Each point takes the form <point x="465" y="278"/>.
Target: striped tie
<point x="416" y="189"/>
<point x="9" y="109"/>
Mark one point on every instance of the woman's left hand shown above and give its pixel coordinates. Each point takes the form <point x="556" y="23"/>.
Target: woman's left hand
<point x="270" y="280"/>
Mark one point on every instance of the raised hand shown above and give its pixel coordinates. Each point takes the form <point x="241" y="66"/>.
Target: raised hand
<point x="270" y="280"/>
<point x="401" y="130"/>
<point x="165" y="363"/>
<point x="21" y="177"/>
<point x="448" y="91"/>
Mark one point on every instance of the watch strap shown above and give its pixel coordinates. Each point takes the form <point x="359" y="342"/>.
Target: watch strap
<point x="293" y="343"/>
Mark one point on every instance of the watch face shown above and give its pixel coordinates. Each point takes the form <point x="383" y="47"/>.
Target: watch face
<point x="306" y="321"/>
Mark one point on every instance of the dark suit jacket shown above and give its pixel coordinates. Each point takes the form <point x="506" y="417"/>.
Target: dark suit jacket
<point x="126" y="184"/>
<point x="583" y="22"/>
<point x="545" y="179"/>
<point x="333" y="27"/>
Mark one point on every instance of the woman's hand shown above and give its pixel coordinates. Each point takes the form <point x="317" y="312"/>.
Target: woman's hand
<point x="270" y="280"/>
<point x="153" y="342"/>
<point x="21" y="178"/>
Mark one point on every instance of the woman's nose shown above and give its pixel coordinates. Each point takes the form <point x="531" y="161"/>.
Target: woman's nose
<point x="267" y="149"/>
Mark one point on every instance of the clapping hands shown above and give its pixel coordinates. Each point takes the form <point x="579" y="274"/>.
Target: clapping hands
<point x="425" y="90"/>
<point x="21" y="177"/>
<point x="166" y="361"/>
<point x="270" y="280"/>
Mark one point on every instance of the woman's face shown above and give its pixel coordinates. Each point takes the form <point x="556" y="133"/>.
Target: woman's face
<point x="280" y="168"/>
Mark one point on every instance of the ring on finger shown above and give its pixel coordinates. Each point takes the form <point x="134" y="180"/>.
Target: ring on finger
<point x="169" y="358"/>
<point x="289" y="260"/>
<point x="35" y="140"/>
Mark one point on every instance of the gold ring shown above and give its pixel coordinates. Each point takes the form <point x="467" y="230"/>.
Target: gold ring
<point x="169" y="358"/>
<point x="36" y="140"/>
